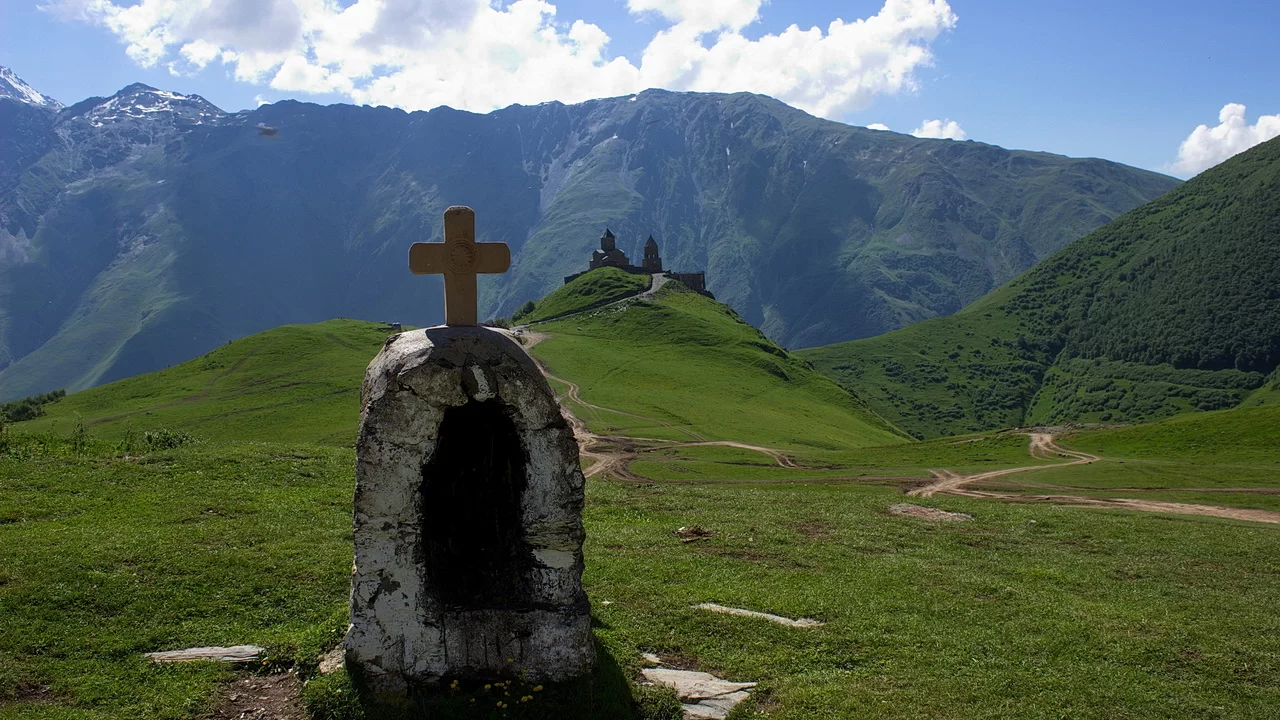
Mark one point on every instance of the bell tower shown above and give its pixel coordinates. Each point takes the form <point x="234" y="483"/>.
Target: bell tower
<point x="652" y="261"/>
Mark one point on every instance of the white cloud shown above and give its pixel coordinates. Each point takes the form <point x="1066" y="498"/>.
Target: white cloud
<point x="479" y="55"/>
<point x="298" y="74"/>
<point x="877" y="126"/>
<point x="702" y="15"/>
<point x="945" y="129"/>
<point x="259" y="101"/>
<point x="1207" y="146"/>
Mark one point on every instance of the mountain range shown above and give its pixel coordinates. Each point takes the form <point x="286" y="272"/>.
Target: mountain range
<point x="143" y="229"/>
<point x="1174" y="306"/>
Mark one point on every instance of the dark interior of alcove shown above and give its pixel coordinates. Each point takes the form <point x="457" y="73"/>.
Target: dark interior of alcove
<point x="472" y="535"/>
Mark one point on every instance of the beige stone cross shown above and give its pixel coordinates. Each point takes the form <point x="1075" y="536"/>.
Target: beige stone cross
<point x="459" y="258"/>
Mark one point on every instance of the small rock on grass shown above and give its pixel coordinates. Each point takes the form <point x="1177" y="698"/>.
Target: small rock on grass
<point x="928" y="513"/>
<point x="332" y="661"/>
<point x="788" y="622"/>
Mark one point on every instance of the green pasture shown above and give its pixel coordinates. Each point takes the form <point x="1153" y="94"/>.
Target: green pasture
<point x="1082" y="614"/>
<point x="230" y="523"/>
<point x="688" y="361"/>
<point x="296" y="383"/>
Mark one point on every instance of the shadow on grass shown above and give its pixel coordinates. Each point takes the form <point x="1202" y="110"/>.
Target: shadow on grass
<point x="606" y="693"/>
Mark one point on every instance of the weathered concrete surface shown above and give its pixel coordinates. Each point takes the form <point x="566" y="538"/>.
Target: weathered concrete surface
<point x="407" y="627"/>
<point x="233" y="654"/>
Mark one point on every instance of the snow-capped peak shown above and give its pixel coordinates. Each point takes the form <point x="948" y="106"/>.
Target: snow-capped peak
<point x="12" y="86"/>
<point x="139" y="101"/>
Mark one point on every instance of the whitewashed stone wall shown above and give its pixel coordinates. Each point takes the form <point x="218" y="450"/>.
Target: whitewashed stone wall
<point x="402" y="634"/>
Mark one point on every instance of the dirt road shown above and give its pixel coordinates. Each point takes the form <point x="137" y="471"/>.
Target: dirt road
<point x="1043" y="446"/>
<point x="613" y="454"/>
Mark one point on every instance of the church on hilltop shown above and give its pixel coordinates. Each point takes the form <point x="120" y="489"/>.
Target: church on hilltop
<point x="610" y="256"/>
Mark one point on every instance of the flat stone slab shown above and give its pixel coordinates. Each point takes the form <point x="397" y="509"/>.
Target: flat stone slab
<point x="716" y="708"/>
<point x="332" y="661"/>
<point x="233" y="654"/>
<point x="800" y="623"/>
<point x="927" y="513"/>
<point x="702" y="695"/>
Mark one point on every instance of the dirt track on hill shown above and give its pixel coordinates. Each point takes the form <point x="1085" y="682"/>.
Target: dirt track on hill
<point x="613" y="454"/>
<point x="1043" y="446"/>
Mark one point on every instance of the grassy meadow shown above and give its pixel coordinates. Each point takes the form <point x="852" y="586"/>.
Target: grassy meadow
<point x="296" y="383"/>
<point x="599" y="286"/>
<point x="693" y="365"/>
<point x="234" y="526"/>
<point x="1027" y="611"/>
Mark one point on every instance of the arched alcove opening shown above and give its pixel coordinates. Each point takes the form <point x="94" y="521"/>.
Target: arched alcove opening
<point x="472" y="532"/>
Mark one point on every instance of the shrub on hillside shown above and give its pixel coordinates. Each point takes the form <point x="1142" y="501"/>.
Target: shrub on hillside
<point x="525" y="309"/>
<point x="29" y="408"/>
<point x="166" y="439"/>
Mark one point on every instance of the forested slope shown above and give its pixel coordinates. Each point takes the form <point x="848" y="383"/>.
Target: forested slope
<point x="1174" y="306"/>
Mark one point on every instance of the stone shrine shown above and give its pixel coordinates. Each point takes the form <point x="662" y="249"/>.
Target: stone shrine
<point x="468" y="505"/>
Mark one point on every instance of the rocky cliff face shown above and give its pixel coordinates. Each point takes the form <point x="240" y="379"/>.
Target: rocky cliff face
<point x="143" y="229"/>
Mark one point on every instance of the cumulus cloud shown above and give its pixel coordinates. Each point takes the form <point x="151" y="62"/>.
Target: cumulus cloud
<point x="877" y="126"/>
<point x="478" y="55"/>
<point x="1207" y="146"/>
<point x="944" y="129"/>
<point x="702" y="15"/>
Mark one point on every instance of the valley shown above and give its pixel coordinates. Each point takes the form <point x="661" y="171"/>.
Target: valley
<point x="950" y="430"/>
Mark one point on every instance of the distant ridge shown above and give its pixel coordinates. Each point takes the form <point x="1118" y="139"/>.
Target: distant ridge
<point x="187" y="227"/>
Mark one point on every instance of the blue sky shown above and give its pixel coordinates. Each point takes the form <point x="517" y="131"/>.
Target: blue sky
<point x="1125" y="80"/>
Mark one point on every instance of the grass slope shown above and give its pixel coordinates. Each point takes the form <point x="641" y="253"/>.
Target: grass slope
<point x="1226" y="458"/>
<point x="1171" y="307"/>
<point x="597" y="287"/>
<point x="297" y="383"/>
<point x="689" y="361"/>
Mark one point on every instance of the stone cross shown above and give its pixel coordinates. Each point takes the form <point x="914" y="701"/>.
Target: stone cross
<point x="459" y="258"/>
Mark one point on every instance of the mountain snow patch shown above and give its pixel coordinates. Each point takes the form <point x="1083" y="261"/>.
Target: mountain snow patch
<point x="12" y="86"/>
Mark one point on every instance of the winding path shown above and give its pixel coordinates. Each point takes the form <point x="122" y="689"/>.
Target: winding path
<point x="1043" y="446"/>
<point x="613" y="454"/>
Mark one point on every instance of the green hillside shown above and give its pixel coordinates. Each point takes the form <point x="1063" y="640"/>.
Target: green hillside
<point x="597" y="287"/>
<point x="297" y="383"/>
<point x="1172" y="307"/>
<point x="692" y="363"/>
<point x="681" y="357"/>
